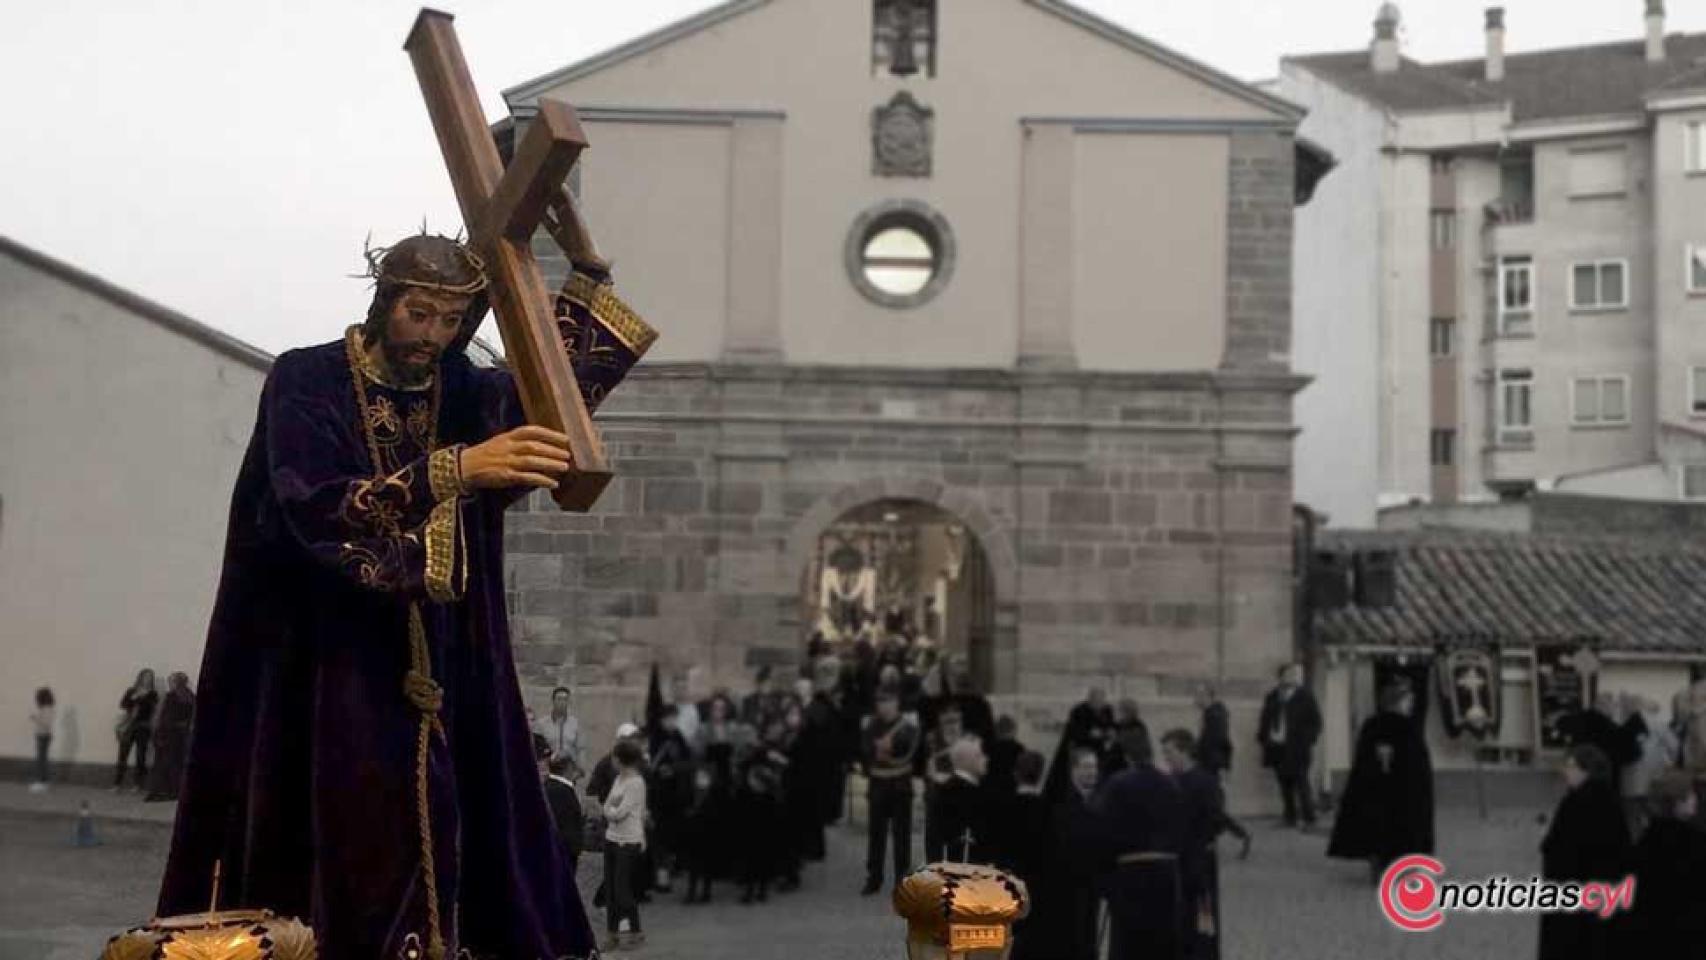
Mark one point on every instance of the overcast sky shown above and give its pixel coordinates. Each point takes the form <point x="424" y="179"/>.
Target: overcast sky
<point x="227" y="157"/>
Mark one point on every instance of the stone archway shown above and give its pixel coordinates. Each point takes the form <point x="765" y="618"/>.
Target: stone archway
<point x="996" y="538"/>
<point x="973" y="610"/>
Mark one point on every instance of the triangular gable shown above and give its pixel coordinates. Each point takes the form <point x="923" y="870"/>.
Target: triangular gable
<point x="1224" y="82"/>
<point x="637" y="47"/>
<point x="1208" y="76"/>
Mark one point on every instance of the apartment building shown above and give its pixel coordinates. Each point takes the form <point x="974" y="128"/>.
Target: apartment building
<point x="1502" y="287"/>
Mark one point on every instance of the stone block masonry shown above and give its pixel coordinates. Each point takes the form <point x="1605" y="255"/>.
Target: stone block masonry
<point x="1136" y="525"/>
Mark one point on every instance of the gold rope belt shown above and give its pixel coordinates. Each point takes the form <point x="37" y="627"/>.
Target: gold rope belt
<point x="422" y="691"/>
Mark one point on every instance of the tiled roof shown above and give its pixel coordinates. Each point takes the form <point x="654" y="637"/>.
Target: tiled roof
<point x="1590" y="81"/>
<point x="1517" y="589"/>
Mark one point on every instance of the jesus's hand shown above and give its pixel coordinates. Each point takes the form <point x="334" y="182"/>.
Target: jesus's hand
<point x="524" y="457"/>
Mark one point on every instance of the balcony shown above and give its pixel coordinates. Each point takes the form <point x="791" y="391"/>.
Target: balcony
<point x="1504" y="213"/>
<point x="1510" y="464"/>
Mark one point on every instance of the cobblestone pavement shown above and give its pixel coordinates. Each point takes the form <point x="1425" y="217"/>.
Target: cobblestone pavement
<point x="58" y="902"/>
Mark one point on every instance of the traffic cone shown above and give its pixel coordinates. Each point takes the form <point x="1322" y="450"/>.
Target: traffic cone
<point x="85" y="827"/>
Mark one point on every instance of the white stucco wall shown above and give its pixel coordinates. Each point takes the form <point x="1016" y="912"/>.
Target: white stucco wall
<point x="121" y="443"/>
<point x="999" y="63"/>
<point x="1679" y="211"/>
<point x="1336" y="305"/>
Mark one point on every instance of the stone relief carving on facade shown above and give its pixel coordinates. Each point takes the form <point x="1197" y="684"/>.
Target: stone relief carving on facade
<point x="901" y="135"/>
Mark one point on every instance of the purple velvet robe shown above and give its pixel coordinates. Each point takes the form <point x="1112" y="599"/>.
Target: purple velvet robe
<point x="302" y="772"/>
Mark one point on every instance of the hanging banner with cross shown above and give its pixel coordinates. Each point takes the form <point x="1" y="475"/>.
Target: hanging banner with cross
<point x="502" y="209"/>
<point x="1468" y="684"/>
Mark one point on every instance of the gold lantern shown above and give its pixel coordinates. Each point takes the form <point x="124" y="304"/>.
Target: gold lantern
<point x="959" y="911"/>
<point x="216" y="935"/>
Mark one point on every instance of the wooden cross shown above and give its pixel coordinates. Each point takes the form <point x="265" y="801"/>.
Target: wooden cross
<point x="501" y="209"/>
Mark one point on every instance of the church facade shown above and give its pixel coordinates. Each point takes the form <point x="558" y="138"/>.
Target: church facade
<point x="993" y="280"/>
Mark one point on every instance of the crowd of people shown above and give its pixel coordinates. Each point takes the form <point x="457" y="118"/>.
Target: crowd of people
<point x="739" y="791"/>
<point x="1630" y="808"/>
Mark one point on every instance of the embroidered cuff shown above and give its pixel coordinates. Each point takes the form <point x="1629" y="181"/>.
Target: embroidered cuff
<point x="444" y="470"/>
<point x="443" y="538"/>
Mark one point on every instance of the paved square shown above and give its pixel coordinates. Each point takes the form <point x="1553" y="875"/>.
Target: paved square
<point x="58" y="902"/>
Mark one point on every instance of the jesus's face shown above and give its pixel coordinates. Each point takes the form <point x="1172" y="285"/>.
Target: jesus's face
<point x="422" y="325"/>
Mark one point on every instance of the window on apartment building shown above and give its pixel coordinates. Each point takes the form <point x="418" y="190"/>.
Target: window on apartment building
<point x="1600" y="400"/>
<point x="1516" y="188"/>
<point x="1697" y="391"/>
<point x="1442" y="447"/>
<point x="1442" y="337"/>
<point x="1695" y="135"/>
<point x="1516" y="406"/>
<point x="1599" y="285"/>
<point x="1516" y="296"/>
<point x="1697" y="268"/>
<point x="1443" y="225"/>
<point x="1600" y="172"/>
<point x="1694" y="481"/>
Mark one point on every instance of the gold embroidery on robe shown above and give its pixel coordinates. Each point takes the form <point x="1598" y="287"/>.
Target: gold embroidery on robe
<point x="377" y="563"/>
<point x="420" y="423"/>
<point x="444" y="474"/>
<point x="382" y="418"/>
<point x="378" y="504"/>
<point x="606" y="307"/>
<point x="443" y="535"/>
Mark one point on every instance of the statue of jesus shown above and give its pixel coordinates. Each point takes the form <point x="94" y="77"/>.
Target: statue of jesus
<point x="361" y="755"/>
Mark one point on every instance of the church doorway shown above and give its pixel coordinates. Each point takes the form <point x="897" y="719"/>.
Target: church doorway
<point x="909" y="568"/>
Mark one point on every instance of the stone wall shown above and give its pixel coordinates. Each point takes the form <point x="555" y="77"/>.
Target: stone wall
<point x="1137" y="526"/>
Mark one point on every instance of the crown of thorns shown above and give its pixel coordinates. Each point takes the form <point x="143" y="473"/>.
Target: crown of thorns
<point x="411" y="268"/>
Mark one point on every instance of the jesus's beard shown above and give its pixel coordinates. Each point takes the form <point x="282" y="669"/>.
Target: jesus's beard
<point x="409" y="366"/>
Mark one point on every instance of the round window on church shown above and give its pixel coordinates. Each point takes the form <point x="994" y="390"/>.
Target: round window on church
<point x="899" y="261"/>
<point x="899" y="254"/>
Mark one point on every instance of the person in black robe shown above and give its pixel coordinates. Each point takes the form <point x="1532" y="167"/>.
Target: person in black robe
<point x="759" y="809"/>
<point x="669" y="783"/>
<point x="1003" y="753"/>
<point x="1587" y="840"/>
<point x="1128" y="722"/>
<point x="1089" y="726"/>
<point x="1026" y="846"/>
<point x="1199" y="866"/>
<point x="798" y="804"/>
<point x="1067" y="929"/>
<point x="1214" y="752"/>
<point x="1597" y="726"/>
<point x="1387" y="810"/>
<point x="819" y="751"/>
<point x="963" y="819"/>
<point x="1670" y="873"/>
<point x="171" y="739"/>
<point x="1142" y="816"/>
<point x="851" y="710"/>
<point x="706" y="833"/>
<point x="1289" y="726"/>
